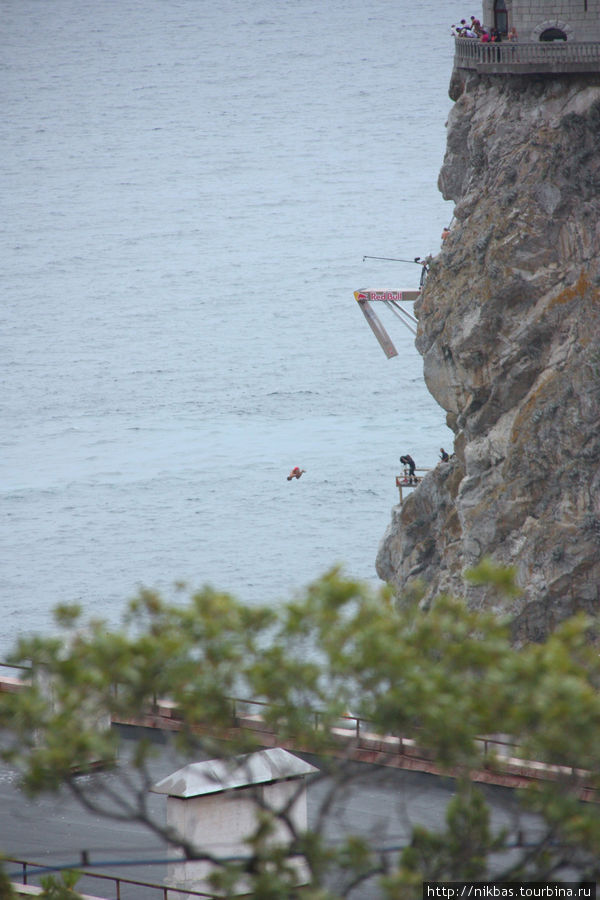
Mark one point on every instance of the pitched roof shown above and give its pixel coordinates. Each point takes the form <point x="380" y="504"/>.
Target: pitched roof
<point x="216" y="775"/>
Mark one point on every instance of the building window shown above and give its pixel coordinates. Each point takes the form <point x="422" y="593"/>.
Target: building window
<point x="500" y="16"/>
<point x="553" y="34"/>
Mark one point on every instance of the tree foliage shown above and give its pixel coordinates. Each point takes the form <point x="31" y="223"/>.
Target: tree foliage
<point x="443" y="678"/>
<point x="60" y="887"/>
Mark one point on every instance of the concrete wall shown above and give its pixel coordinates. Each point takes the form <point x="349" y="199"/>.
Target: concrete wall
<point x="532" y="17"/>
<point x="220" y="823"/>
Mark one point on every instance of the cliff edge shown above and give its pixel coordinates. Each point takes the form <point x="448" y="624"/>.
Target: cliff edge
<point x="509" y="331"/>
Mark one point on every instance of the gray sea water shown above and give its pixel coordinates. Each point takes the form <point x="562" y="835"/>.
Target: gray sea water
<point x="189" y="187"/>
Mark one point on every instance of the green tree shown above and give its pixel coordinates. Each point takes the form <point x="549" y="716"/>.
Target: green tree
<point x="60" y="888"/>
<point x="442" y="678"/>
<point x="6" y="891"/>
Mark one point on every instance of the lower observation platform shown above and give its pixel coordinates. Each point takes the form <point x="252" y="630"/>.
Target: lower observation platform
<point x="527" y="58"/>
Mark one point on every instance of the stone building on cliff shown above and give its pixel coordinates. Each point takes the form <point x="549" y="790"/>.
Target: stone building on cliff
<point x="509" y="328"/>
<point x="540" y="20"/>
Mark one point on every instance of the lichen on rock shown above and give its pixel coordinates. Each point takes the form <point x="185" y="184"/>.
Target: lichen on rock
<point x="509" y="331"/>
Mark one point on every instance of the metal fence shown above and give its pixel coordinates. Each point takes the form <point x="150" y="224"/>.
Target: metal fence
<point x="111" y="886"/>
<point x="357" y="736"/>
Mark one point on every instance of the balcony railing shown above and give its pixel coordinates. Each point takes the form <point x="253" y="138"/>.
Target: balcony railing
<point x="508" y="57"/>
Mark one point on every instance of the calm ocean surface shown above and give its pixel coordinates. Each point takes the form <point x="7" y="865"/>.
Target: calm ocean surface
<point x="189" y="187"/>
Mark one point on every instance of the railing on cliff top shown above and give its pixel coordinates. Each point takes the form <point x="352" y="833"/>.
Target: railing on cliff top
<point x="508" y="57"/>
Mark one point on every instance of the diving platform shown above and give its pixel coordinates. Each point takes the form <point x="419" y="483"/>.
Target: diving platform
<point x="392" y="300"/>
<point x="404" y="482"/>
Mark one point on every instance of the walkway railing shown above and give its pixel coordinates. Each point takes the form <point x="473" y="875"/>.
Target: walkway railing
<point x="107" y="885"/>
<point x="358" y="739"/>
<point x="509" y="57"/>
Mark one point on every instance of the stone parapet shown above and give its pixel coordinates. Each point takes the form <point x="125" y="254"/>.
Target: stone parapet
<point x="519" y="58"/>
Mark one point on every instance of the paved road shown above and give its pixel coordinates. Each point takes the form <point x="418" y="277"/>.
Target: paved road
<point x="381" y="803"/>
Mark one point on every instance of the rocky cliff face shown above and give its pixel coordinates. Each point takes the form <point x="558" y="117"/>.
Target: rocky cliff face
<point x="509" y="331"/>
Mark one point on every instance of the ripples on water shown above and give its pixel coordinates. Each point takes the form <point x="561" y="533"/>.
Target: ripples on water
<point x="190" y="189"/>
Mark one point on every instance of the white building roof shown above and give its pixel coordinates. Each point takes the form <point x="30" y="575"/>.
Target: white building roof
<point x="215" y="775"/>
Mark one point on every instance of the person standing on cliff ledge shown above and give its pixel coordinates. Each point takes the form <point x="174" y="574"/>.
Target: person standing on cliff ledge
<point x="409" y="462"/>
